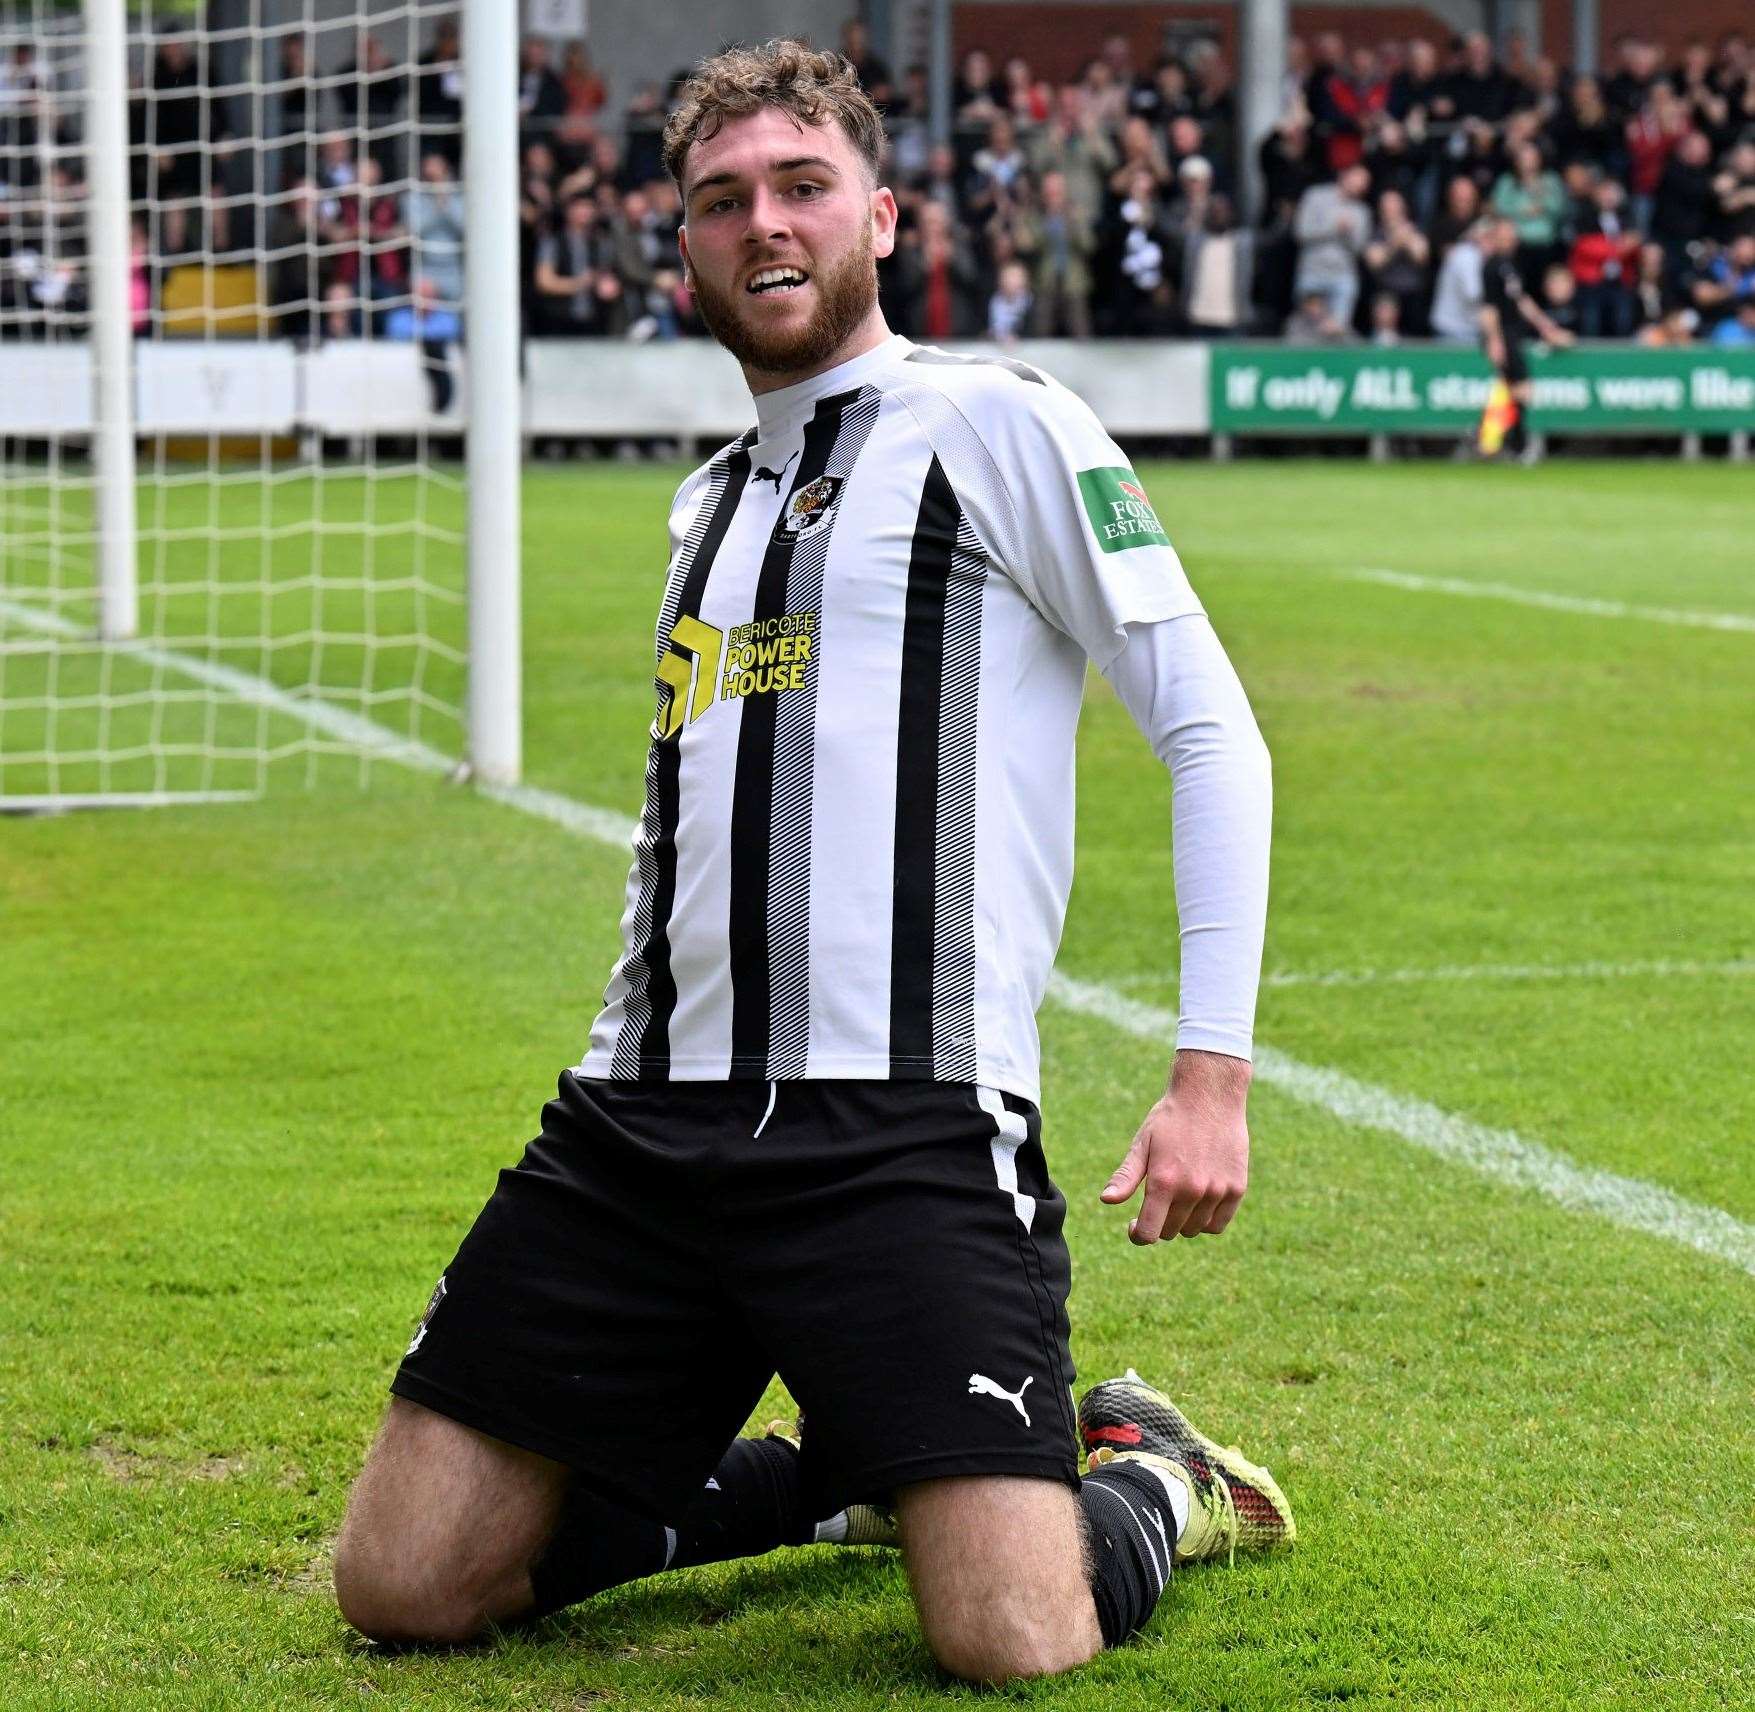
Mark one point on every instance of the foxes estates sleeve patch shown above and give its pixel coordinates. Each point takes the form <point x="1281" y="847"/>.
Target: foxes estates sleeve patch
<point x="1121" y="515"/>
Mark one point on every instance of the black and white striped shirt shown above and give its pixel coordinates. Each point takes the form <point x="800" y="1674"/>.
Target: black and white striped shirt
<point x="857" y="841"/>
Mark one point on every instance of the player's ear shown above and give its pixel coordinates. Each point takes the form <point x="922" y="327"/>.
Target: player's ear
<point x="883" y="221"/>
<point x="682" y="248"/>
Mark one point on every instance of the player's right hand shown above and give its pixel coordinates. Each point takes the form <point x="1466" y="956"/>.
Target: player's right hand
<point x="1191" y="1153"/>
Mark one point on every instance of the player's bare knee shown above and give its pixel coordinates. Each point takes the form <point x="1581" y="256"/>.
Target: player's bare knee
<point x="405" y="1623"/>
<point x="1003" y="1641"/>
<point x="384" y="1605"/>
<point x="441" y="1528"/>
<point x="999" y="1631"/>
<point x="998" y="1576"/>
<point x="983" y="1661"/>
<point x="384" y="1593"/>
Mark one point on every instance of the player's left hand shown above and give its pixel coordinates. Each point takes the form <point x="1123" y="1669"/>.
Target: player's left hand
<point x="1191" y="1153"/>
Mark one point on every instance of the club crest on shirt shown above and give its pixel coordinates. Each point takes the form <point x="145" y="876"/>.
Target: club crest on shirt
<point x="809" y="509"/>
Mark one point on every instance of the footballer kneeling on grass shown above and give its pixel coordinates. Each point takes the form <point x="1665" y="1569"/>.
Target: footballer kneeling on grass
<point x="804" y="1137"/>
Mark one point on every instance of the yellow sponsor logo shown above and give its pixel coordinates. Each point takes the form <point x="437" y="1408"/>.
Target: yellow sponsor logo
<point x="760" y="658"/>
<point x="694" y="654"/>
<point x="770" y="655"/>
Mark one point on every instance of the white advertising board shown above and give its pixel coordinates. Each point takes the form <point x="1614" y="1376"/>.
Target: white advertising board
<point x="205" y="387"/>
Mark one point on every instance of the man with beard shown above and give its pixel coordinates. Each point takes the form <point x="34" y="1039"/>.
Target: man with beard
<point x="804" y="1136"/>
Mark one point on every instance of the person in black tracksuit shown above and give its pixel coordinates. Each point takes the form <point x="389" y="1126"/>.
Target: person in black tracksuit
<point x="1508" y="314"/>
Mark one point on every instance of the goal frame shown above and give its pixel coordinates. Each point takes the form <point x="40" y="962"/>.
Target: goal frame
<point x="493" y="703"/>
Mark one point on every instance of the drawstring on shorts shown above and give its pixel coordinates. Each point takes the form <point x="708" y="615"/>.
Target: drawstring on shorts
<point x="773" y="1094"/>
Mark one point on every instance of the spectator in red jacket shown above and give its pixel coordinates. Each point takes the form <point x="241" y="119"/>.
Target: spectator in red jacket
<point x="1350" y="105"/>
<point x="1604" y="261"/>
<point x="373" y="259"/>
<point x="1652" y="136"/>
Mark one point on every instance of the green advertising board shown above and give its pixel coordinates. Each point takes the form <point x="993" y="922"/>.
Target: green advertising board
<point x="1438" y="389"/>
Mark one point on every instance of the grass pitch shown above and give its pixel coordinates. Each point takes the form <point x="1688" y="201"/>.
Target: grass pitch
<point x="262" y="1061"/>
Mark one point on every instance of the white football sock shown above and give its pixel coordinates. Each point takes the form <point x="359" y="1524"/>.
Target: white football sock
<point x="833" y="1531"/>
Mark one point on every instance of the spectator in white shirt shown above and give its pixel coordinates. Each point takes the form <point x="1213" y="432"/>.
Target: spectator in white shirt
<point x="1008" y="310"/>
<point x="1456" y="303"/>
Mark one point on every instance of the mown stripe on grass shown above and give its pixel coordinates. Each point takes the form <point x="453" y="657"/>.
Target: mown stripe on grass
<point x="1499" y="1154"/>
<point x="1698" y="620"/>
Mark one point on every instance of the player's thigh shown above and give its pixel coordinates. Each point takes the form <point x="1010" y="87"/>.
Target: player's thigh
<point x="442" y="1526"/>
<point x="997" y="1566"/>
<point x="586" y="1316"/>
<point x="901" y="1246"/>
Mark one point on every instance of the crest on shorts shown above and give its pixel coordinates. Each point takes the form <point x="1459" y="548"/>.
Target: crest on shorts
<point x="809" y="509"/>
<point x="420" y="1331"/>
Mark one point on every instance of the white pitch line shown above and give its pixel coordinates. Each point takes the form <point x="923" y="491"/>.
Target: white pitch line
<point x="1696" y="620"/>
<point x="338" y="722"/>
<point x="1499" y="1154"/>
<point x="1656" y="968"/>
<point x="583" y="820"/>
<point x="1502" y="1155"/>
<point x="332" y="721"/>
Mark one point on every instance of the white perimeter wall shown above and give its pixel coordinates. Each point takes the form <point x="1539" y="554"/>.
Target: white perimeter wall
<point x="682" y="390"/>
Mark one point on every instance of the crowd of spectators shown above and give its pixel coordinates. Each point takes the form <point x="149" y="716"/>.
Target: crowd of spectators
<point x="1632" y="194"/>
<point x="1107" y="205"/>
<point x="337" y="194"/>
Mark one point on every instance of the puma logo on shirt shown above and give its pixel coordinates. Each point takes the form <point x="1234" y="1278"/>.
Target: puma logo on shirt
<point x="774" y="475"/>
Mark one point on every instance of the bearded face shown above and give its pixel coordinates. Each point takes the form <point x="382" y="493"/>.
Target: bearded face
<point x="761" y="335"/>
<point x="782" y="238"/>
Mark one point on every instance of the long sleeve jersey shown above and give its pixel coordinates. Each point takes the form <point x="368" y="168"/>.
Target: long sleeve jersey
<point x="857" y="839"/>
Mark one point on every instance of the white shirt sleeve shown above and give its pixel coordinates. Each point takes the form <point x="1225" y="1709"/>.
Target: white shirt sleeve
<point x="1173" y="676"/>
<point x="1056" y="503"/>
<point x="1054" y="500"/>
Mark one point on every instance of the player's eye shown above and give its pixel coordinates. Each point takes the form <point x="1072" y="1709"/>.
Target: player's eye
<point x="807" y="190"/>
<point x="722" y="203"/>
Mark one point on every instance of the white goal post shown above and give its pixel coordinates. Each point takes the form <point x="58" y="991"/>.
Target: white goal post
<point x="259" y="395"/>
<point x="496" y="444"/>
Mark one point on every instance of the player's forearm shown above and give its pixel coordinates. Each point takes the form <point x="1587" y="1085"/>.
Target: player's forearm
<point x="1176" y="681"/>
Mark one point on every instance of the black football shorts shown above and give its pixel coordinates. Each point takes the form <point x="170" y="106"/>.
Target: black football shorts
<point x="893" y="1250"/>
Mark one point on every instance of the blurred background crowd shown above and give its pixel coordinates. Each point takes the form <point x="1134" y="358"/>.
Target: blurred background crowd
<point x="1105" y="206"/>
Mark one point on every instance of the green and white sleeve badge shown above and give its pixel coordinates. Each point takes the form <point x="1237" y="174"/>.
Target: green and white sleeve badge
<point x="1121" y="515"/>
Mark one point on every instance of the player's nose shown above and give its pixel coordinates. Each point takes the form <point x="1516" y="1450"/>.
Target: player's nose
<point x="767" y="217"/>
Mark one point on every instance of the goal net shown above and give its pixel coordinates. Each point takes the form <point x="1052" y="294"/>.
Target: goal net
<point x="234" y="540"/>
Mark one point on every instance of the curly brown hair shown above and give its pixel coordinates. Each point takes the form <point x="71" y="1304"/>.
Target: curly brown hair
<point x="813" y="86"/>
